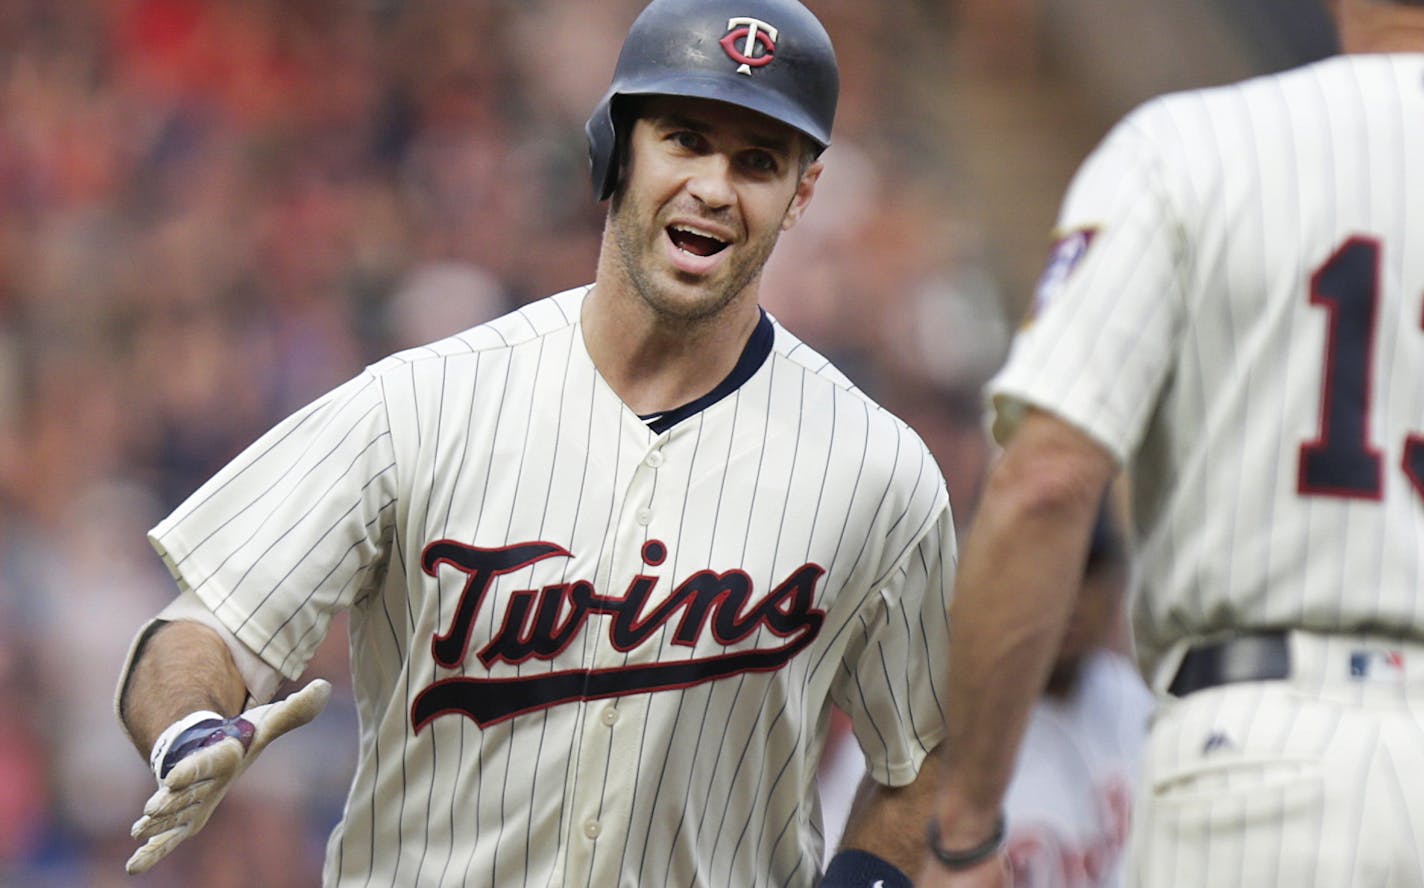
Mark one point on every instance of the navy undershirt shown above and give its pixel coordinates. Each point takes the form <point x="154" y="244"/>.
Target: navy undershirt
<point x="754" y="354"/>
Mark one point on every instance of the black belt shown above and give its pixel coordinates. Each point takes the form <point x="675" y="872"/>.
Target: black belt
<point x="1260" y="657"/>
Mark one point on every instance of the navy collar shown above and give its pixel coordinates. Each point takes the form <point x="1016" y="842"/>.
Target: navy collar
<point x="754" y="354"/>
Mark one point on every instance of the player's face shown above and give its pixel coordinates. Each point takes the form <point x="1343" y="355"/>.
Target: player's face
<point x="707" y="191"/>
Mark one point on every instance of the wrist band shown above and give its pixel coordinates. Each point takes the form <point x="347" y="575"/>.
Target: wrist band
<point x="960" y="860"/>
<point x="853" y="868"/>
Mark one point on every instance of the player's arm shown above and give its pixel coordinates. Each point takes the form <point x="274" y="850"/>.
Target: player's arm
<point x="180" y="667"/>
<point x="1014" y="592"/>
<point x="181" y="702"/>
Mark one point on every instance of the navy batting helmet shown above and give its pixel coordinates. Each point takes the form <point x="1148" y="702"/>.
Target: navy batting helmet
<point x="771" y="56"/>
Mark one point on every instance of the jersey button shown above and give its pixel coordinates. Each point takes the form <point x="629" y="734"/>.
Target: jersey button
<point x="610" y="715"/>
<point x="645" y="517"/>
<point x="655" y="459"/>
<point x="591" y="828"/>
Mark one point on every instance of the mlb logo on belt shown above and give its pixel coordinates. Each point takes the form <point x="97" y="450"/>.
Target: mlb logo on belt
<point x="1377" y="664"/>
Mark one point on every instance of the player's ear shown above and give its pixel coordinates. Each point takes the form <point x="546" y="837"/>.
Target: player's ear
<point x="805" y="187"/>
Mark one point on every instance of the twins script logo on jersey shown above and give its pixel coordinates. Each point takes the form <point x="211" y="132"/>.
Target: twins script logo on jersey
<point x="1067" y="252"/>
<point x="751" y="43"/>
<point x="540" y="624"/>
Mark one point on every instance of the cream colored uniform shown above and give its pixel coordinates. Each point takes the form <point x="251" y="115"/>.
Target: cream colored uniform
<point x="588" y="649"/>
<point x="1234" y="311"/>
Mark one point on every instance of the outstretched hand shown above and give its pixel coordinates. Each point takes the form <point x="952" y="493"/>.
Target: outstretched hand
<point x="196" y="768"/>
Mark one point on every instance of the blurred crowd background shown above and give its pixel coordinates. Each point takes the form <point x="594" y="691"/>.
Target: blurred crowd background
<point x="212" y="211"/>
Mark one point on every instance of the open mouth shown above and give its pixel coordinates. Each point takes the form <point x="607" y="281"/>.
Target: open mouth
<point x="695" y="242"/>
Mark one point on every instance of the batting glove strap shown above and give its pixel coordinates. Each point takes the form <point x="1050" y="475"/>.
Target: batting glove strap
<point x="861" y="869"/>
<point x="158" y="759"/>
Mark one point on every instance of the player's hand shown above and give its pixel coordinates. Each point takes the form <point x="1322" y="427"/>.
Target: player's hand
<point x="196" y="769"/>
<point x="992" y="873"/>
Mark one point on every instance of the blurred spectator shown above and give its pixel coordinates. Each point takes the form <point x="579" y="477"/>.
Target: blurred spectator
<point x="434" y="300"/>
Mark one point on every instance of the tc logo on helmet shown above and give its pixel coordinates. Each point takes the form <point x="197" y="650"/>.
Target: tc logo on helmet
<point x="751" y="43"/>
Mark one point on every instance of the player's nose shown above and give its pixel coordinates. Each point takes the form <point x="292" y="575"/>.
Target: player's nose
<point x="710" y="181"/>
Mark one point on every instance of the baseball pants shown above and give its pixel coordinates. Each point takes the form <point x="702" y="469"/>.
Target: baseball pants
<point x="1312" y="779"/>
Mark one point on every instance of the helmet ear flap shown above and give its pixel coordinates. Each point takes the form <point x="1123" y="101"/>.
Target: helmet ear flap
<point x="603" y="148"/>
<point x="607" y="132"/>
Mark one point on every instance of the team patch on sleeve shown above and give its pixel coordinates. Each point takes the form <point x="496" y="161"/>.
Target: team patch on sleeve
<point x="1066" y="253"/>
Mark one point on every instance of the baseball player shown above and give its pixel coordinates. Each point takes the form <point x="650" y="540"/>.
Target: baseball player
<point x="609" y="560"/>
<point x="1235" y="310"/>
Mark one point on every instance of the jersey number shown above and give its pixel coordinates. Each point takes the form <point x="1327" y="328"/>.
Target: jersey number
<point x="1341" y="461"/>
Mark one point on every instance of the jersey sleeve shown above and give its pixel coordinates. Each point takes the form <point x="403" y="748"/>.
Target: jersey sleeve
<point x="894" y="671"/>
<point x="1099" y="339"/>
<point x="294" y="529"/>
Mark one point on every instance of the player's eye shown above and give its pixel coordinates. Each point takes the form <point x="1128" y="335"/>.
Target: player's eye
<point x="688" y="140"/>
<point x="761" y="162"/>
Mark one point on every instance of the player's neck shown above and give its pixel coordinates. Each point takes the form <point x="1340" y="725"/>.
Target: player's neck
<point x="656" y="365"/>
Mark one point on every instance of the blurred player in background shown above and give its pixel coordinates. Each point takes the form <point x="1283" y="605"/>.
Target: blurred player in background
<point x="1070" y="801"/>
<point x="1069" y="804"/>
<point x="1234" y="311"/>
<point x="608" y="560"/>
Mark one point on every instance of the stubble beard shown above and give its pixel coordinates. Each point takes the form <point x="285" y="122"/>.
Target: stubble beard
<point x="637" y="256"/>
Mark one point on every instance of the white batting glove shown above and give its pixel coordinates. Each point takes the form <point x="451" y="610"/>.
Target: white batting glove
<point x="197" y="758"/>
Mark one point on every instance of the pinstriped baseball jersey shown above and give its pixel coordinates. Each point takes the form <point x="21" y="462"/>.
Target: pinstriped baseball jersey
<point x="588" y="649"/>
<point x="1235" y="309"/>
